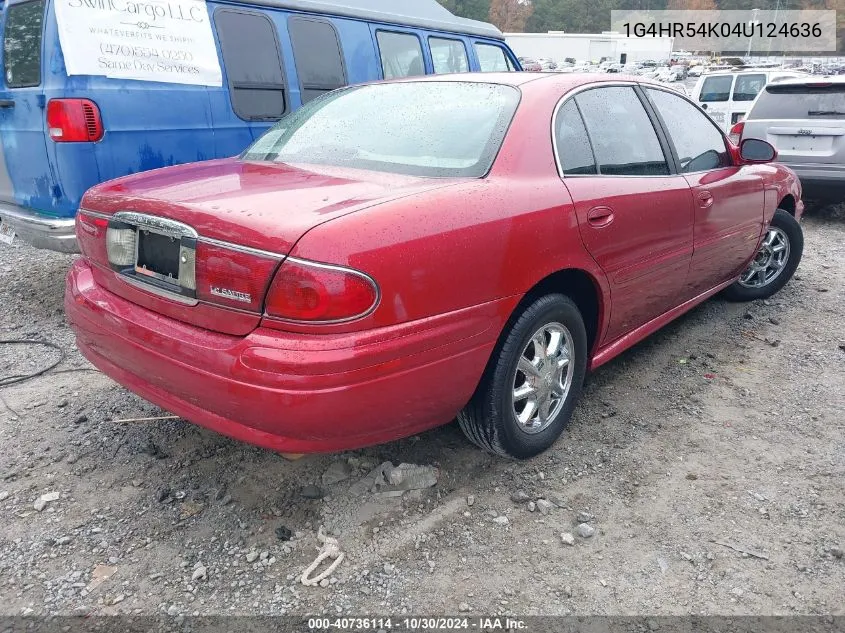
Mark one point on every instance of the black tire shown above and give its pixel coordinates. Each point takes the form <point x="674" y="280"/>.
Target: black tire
<point x="789" y="226"/>
<point x="489" y="420"/>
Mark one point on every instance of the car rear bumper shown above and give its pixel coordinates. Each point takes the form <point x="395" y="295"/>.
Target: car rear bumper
<point x="818" y="179"/>
<point x="287" y="391"/>
<point x="41" y="231"/>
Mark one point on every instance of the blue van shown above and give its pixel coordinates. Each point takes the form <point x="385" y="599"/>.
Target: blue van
<point x="97" y="89"/>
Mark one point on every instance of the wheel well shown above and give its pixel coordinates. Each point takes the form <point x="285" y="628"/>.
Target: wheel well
<point x="788" y="204"/>
<point x="578" y="286"/>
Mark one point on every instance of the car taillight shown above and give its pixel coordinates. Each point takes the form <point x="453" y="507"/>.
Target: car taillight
<point x="736" y="132"/>
<point x="90" y="232"/>
<point x="313" y="292"/>
<point x="233" y="278"/>
<point x="120" y="244"/>
<point x="74" y="121"/>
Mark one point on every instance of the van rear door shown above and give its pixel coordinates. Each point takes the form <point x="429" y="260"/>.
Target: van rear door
<point x="26" y="178"/>
<point x="714" y="97"/>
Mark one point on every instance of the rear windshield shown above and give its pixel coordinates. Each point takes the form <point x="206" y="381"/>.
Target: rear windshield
<point x="716" y="88"/>
<point x="790" y="101"/>
<point x="436" y="129"/>
<point x="22" y="44"/>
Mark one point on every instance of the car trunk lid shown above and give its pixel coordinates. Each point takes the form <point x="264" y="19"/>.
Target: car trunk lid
<point x="237" y="220"/>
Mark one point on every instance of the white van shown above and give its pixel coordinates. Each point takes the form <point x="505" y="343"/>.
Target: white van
<point x="727" y="95"/>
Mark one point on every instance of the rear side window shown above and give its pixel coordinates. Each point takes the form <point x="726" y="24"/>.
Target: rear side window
<point x="748" y="86"/>
<point x="492" y="59"/>
<point x="22" y="44"/>
<point x="253" y="64"/>
<point x="797" y="101"/>
<point x="716" y="89"/>
<point x="623" y="138"/>
<point x="572" y="143"/>
<point x="448" y="56"/>
<point x="401" y="55"/>
<point x="700" y="145"/>
<point x="317" y="55"/>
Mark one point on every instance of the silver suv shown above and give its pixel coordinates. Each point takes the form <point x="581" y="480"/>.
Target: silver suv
<point x="805" y="120"/>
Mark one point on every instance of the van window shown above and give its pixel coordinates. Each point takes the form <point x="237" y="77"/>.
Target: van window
<point x="22" y="44"/>
<point x="748" y="86"/>
<point x="401" y="55"/>
<point x="716" y="88"/>
<point x="448" y="56"/>
<point x="251" y="56"/>
<point x="492" y="59"/>
<point x="317" y="55"/>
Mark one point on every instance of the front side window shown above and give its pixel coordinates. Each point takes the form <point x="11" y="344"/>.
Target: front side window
<point x="401" y="55"/>
<point x="623" y="138"/>
<point x="572" y="143"/>
<point x="22" y="44"/>
<point x="317" y="55"/>
<point x="448" y="56"/>
<point x="435" y="129"/>
<point x="699" y="143"/>
<point x="251" y="56"/>
<point x="492" y="59"/>
<point x="716" y="89"/>
<point x="748" y="86"/>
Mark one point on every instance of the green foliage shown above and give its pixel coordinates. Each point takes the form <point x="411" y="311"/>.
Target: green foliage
<point x="473" y="9"/>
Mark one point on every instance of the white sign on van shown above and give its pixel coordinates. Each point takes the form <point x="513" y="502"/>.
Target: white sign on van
<point x="148" y="40"/>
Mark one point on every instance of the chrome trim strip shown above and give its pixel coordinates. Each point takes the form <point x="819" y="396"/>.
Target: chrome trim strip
<point x="243" y="249"/>
<point x="164" y="294"/>
<point x="94" y="214"/>
<point x="156" y="223"/>
<point x="343" y="269"/>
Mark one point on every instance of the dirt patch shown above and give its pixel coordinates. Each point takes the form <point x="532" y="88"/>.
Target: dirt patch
<point x="709" y="462"/>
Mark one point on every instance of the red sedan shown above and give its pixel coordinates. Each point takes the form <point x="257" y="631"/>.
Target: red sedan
<point x="395" y="255"/>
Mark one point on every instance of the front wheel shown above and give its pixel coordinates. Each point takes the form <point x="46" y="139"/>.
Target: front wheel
<point x="775" y="261"/>
<point x="532" y="381"/>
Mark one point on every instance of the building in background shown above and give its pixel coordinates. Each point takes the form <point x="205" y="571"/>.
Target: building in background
<point x="586" y="47"/>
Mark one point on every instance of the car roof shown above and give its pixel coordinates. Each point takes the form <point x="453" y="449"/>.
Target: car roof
<point x="427" y="14"/>
<point x="812" y="80"/>
<point x="564" y="81"/>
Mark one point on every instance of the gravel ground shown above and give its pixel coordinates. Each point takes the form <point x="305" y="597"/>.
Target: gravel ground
<point x="702" y="473"/>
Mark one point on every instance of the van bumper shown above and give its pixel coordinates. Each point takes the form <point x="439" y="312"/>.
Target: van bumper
<point x="41" y="231"/>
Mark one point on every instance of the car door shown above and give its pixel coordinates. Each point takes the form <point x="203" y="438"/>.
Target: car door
<point x="634" y="215"/>
<point x="728" y="199"/>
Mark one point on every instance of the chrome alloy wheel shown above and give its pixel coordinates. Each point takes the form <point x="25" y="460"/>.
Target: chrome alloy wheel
<point x="543" y="377"/>
<point x="769" y="261"/>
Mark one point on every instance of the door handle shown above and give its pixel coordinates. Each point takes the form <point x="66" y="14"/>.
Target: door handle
<point x="705" y="199"/>
<point x="7" y="103"/>
<point x="599" y="217"/>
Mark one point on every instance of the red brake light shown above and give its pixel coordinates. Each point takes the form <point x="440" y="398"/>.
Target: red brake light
<point x="318" y="293"/>
<point x="736" y="132"/>
<point x="74" y="121"/>
<point x="90" y="235"/>
<point x="233" y="278"/>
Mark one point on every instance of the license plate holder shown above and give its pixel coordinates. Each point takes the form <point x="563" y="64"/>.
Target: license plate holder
<point x="7" y="233"/>
<point x="157" y="255"/>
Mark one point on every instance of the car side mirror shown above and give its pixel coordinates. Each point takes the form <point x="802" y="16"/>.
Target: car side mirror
<point x="755" y="150"/>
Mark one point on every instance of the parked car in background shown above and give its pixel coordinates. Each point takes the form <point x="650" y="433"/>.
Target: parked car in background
<point x="91" y="92"/>
<point x="726" y="95"/>
<point x="695" y="71"/>
<point x="547" y="64"/>
<point x="530" y="64"/>
<point x="805" y="120"/>
<point x="396" y="254"/>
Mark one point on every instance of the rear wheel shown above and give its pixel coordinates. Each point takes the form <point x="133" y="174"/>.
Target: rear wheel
<point x="775" y="261"/>
<point x="531" y="384"/>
